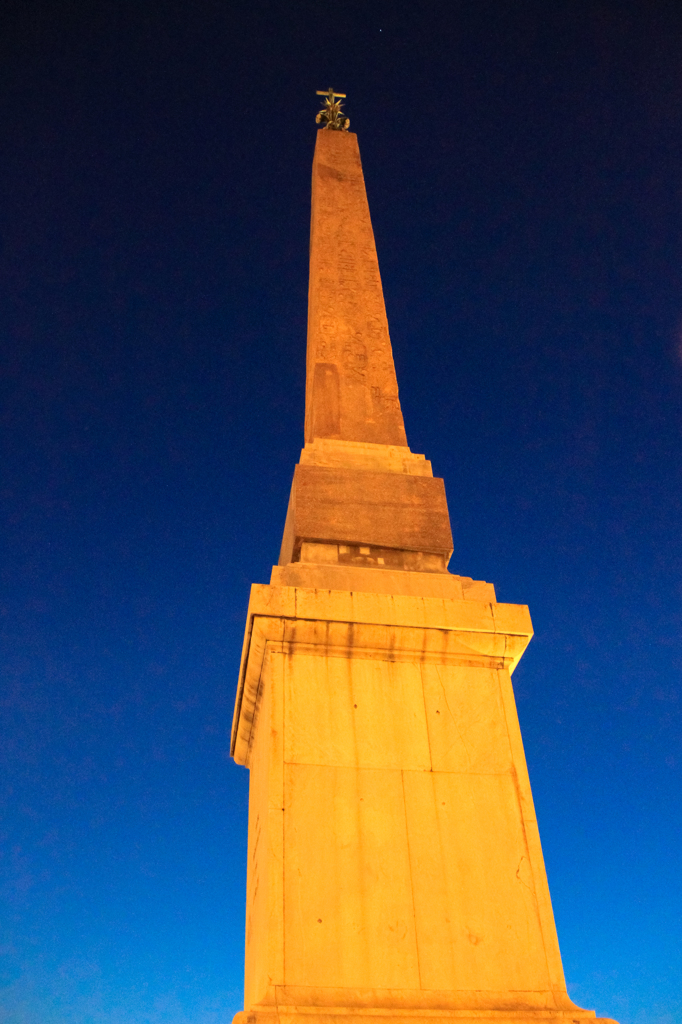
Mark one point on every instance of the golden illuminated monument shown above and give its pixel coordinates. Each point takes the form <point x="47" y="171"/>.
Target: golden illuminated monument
<point x="394" y="860"/>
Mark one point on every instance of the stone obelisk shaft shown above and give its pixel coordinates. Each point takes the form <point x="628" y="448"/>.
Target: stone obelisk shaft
<point x="351" y="391"/>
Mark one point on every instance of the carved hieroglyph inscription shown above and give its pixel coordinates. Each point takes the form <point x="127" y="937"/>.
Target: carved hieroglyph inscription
<point x="351" y="391"/>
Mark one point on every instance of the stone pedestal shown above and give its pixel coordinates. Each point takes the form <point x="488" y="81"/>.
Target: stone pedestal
<point x="394" y="860"/>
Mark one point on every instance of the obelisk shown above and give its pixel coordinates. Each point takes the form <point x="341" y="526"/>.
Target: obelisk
<point x="394" y="860"/>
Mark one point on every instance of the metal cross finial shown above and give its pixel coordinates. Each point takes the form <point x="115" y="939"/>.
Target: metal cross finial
<point x="331" y="115"/>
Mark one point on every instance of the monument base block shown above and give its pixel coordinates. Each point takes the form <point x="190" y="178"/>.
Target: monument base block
<point x="286" y="1015"/>
<point x="394" y="866"/>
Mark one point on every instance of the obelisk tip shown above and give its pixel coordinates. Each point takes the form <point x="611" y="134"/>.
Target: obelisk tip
<point x="331" y="116"/>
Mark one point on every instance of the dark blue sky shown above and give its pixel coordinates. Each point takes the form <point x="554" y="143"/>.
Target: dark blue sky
<point x="524" y="169"/>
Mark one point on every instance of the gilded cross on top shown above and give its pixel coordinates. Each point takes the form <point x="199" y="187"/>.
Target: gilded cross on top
<point x="331" y="115"/>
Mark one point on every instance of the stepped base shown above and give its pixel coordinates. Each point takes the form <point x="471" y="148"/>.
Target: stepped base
<point x="339" y="1015"/>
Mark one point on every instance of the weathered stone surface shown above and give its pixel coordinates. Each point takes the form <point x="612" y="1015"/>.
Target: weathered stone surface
<point x="357" y="578"/>
<point x="394" y="857"/>
<point x="292" y="1013"/>
<point x="351" y="392"/>
<point x="390" y="510"/>
<point x="360" y="455"/>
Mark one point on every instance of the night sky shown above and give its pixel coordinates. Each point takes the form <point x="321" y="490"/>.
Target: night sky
<point x="523" y="164"/>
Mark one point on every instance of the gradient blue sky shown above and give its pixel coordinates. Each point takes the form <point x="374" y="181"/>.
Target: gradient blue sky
<point x="524" y="168"/>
